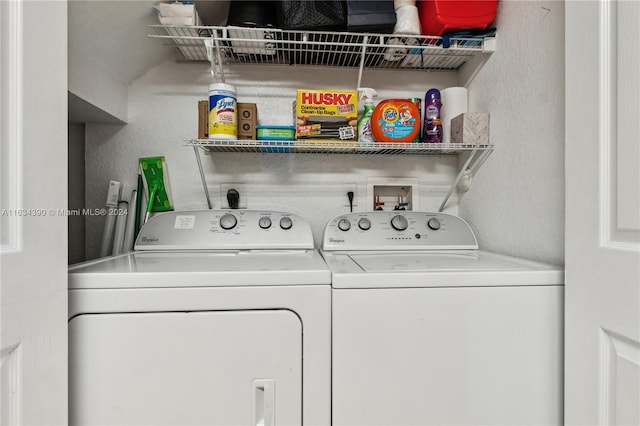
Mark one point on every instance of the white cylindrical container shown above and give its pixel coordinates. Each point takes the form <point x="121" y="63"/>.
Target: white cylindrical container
<point x="223" y="120"/>
<point x="454" y="103"/>
<point x="407" y="20"/>
<point x="121" y="213"/>
<point x="130" y="228"/>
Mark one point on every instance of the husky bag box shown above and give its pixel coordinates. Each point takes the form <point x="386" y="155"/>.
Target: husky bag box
<point x="326" y="115"/>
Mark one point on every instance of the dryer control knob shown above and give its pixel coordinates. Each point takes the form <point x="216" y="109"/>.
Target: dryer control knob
<point x="433" y="223"/>
<point x="264" y="222"/>
<point x="228" y="221"/>
<point x="344" y="224"/>
<point x="364" y="224"/>
<point x="399" y="222"/>
<point x="286" y="222"/>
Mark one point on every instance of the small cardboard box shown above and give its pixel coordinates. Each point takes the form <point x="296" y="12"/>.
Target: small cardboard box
<point x="470" y="128"/>
<point x="203" y="119"/>
<point x="247" y="120"/>
<point x="326" y="115"/>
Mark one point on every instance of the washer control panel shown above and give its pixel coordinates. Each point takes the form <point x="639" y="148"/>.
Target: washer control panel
<point x="398" y="230"/>
<point x="225" y="230"/>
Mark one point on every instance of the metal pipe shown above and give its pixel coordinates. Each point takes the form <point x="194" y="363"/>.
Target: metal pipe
<point x="204" y="181"/>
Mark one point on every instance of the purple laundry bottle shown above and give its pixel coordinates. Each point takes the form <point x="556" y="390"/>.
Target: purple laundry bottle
<point x="432" y="132"/>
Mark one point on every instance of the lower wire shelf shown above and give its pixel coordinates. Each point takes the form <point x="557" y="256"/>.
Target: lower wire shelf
<point x="472" y="156"/>
<point x="337" y="147"/>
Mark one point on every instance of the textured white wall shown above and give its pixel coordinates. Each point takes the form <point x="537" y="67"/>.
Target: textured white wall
<point x="75" y="164"/>
<point x="163" y="112"/>
<point x="516" y="202"/>
<point x="89" y="81"/>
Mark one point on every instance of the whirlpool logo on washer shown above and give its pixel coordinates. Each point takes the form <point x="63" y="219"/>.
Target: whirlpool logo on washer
<point x="336" y="240"/>
<point x="150" y="239"/>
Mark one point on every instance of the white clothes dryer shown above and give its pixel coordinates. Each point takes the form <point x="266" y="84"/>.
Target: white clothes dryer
<point x="216" y="318"/>
<point x="427" y="329"/>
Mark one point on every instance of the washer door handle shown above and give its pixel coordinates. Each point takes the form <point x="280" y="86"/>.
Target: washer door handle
<point x="264" y="402"/>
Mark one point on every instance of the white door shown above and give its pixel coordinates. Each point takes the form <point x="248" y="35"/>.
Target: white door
<point x="33" y="283"/>
<point x="602" y="342"/>
<point x="191" y="368"/>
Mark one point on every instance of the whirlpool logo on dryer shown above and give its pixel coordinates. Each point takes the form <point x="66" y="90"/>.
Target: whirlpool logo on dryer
<point x="336" y="240"/>
<point x="150" y="239"/>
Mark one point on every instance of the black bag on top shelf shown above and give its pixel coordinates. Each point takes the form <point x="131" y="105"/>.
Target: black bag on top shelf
<point x="256" y="13"/>
<point x="376" y="16"/>
<point x="312" y="15"/>
<point x="260" y="15"/>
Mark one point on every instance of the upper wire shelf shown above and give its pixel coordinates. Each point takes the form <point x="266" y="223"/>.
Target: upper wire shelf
<point x="338" y="147"/>
<point x="241" y="45"/>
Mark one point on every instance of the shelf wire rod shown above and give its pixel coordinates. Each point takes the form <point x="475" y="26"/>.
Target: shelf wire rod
<point x="208" y="44"/>
<point x="204" y="180"/>
<point x="219" y="70"/>
<point x="455" y="182"/>
<point x="363" y="55"/>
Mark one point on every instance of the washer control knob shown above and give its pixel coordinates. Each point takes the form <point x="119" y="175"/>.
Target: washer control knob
<point x="264" y="222"/>
<point x="286" y="222"/>
<point x="399" y="222"/>
<point x="228" y="221"/>
<point x="344" y="224"/>
<point x="364" y="224"/>
<point x="433" y="223"/>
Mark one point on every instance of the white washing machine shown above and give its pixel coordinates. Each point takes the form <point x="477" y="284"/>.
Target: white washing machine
<point x="217" y="318"/>
<point x="427" y="329"/>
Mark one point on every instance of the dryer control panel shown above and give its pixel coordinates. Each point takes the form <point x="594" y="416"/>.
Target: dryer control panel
<point x="225" y="230"/>
<point x="398" y="230"/>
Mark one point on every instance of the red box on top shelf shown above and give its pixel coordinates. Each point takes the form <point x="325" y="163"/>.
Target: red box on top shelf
<point x="438" y="17"/>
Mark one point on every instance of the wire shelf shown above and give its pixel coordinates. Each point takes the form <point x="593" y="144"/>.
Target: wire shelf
<point x="333" y="147"/>
<point x="240" y="45"/>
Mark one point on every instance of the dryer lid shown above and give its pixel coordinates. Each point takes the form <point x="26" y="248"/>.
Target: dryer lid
<point x="153" y="269"/>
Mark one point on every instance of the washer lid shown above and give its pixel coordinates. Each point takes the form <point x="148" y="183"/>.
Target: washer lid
<point x="429" y="262"/>
<point x="446" y="268"/>
<point x="202" y="269"/>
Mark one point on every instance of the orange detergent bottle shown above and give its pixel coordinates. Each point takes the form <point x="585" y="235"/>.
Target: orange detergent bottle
<point x="395" y="120"/>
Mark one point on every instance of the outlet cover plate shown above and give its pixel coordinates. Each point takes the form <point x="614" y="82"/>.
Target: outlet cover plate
<point x="240" y="187"/>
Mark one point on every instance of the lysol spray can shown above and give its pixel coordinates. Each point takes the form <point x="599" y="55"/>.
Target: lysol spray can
<point x="223" y="111"/>
<point x="418" y="103"/>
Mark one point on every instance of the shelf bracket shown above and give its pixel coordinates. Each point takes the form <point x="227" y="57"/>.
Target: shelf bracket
<point x="215" y="57"/>
<point x="474" y="161"/>
<point x="470" y="69"/>
<point x="204" y="180"/>
<point x="363" y="56"/>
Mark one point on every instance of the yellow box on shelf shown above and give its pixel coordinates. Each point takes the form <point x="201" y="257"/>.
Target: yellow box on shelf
<point x="326" y="115"/>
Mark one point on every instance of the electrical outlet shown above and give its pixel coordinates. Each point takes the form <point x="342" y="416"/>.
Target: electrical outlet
<point x="242" y="190"/>
<point x="346" y="187"/>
